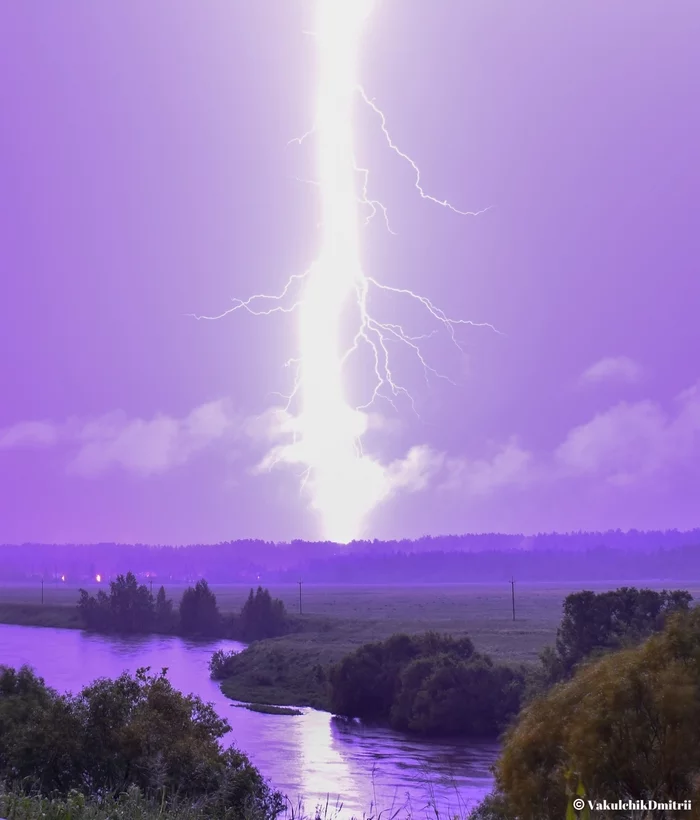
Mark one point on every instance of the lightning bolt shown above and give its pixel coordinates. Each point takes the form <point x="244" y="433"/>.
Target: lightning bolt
<point x="345" y="483"/>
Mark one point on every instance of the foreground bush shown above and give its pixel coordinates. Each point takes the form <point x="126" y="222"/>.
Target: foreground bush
<point x="626" y="726"/>
<point x="429" y="684"/>
<point x="132" y="732"/>
<point x="130" y="805"/>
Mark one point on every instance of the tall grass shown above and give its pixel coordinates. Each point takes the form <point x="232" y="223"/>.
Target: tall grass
<point x="133" y="805"/>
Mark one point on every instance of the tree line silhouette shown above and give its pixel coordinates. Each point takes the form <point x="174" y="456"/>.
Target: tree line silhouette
<point x="131" y="608"/>
<point x="545" y="555"/>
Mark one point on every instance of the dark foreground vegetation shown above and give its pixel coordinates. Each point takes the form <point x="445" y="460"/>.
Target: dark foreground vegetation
<point x="129" y="805"/>
<point x="624" y="726"/>
<point x="134" y="735"/>
<point x="131" y="608"/>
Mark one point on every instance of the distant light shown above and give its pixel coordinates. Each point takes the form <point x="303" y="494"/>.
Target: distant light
<point x="63" y="577"/>
<point x="98" y="578"/>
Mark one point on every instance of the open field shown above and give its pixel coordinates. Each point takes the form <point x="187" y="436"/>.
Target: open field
<point x="336" y="620"/>
<point x="339" y="618"/>
<point x="284" y="671"/>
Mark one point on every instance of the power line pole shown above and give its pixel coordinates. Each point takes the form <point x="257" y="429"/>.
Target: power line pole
<point x="42" y="590"/>
<point x="512" y="592"/>
<point x="300" y="583"/>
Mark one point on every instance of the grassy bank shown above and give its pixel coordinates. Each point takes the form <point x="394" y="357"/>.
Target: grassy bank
<point x="61" y="616"/>
<point x="279" y="672"/>
<point x="336" y="620"/>
<point x="291" y="670"/>
<point x="341" y="617"/>
<point x="267" y="709"/>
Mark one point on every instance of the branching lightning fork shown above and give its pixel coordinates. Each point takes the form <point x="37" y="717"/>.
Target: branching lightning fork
<point x="345" y="483"/>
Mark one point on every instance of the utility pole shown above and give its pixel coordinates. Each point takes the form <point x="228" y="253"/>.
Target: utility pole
<point x="151" y="586"/>
<point x="300" y="583"/>
<point x="42" y="590"/>
<point x="512" y="592"/>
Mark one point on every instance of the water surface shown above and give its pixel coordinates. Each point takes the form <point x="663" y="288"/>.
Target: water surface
<point x="311" y="757"/>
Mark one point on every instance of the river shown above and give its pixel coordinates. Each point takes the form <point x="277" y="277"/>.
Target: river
<point x="312" y="757"/>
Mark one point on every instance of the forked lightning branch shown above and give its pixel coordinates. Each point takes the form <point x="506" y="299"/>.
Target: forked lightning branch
<point x="326" y="432"/>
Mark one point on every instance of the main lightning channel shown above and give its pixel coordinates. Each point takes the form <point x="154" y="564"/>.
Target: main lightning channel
<point x="345" y="483"/>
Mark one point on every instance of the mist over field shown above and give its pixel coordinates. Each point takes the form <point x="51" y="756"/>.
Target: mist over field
<point x="491" y="557"/>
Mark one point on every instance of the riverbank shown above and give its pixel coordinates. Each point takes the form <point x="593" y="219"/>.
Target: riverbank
<point x="310" y="757"/>
<point x="291" y="670"/>
<point x="53" y="616"/>
<point x="266" y="709"/>
<point x="57" y="616"/>
<point x="280" y="672"/>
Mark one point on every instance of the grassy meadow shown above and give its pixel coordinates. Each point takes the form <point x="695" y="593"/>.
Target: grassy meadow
<point x="344" y="617"/>
<point x="337" y="619"/>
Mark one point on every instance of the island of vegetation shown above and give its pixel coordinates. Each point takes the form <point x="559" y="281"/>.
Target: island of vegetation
<point x="433" y="684"/>
<point x="131" y="608"/>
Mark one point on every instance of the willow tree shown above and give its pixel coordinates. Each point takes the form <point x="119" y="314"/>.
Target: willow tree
<point x="626" y="726"/>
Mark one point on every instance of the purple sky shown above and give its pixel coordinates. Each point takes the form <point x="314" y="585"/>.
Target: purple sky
<point x="145" y="174"/>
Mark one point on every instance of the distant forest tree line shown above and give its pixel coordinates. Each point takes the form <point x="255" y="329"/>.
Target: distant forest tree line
<point x="585" y="556"/>
<point x="131" y="608"/>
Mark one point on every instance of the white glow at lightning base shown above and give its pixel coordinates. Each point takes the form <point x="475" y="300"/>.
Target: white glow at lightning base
<point x="344" y="483"/>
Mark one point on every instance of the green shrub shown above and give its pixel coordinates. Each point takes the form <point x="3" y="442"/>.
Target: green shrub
<point x="132" y="732"/>
<point x="627" y="725"/>
<point x="430" y="684"/>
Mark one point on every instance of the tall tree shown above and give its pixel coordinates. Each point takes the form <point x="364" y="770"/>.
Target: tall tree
<point x="625" y="726"/>
<point x="262" y="616"/>
<point x="164" y="616"/>
<point x="199" y="613"/>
